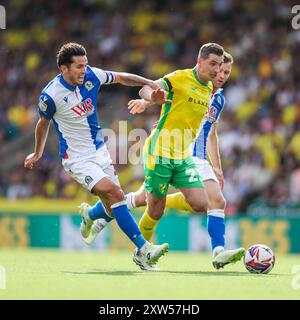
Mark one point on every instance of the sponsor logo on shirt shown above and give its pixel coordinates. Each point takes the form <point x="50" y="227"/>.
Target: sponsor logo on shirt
<point x="84" y="108"/>
<point x="198" y="101"/>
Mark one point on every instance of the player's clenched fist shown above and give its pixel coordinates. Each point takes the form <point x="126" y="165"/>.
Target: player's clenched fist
<point x="158" y="96"/>
<point x="30" y="160"/>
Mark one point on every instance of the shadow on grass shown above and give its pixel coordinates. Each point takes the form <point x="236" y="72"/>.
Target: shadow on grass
<point x="219" y="273"/>
<point x="104" y="272"/>
<point x="195" y="273"/>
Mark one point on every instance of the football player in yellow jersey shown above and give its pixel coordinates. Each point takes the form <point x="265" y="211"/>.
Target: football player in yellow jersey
<point x="216" y="225"/>
<point x="205" y="143"/>
<point x="167" y="158"/>
<point x="185" y="95"/>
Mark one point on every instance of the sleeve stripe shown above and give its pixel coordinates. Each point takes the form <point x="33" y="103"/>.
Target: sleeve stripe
<point x="168" y="83"/>
<point x="164" y="84"/>
<point x="106" y="77"/>
<point x="110" y="77"/>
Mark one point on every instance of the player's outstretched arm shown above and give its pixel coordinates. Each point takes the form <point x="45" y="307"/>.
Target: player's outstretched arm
<point x="154" y="95"/>
<point x="41" y="134"/>
<point x="133" y="80"/>
<point x="213" y="151"/>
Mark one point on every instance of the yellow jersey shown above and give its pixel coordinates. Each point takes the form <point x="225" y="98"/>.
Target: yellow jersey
<point x="179" y="120"/>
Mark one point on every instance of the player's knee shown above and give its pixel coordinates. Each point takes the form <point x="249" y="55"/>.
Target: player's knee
<point x="222" y="202"/>
<point x="217" y="202"/>
<point x="116" y="194"/>
<point x="111" y="192"/>
<point x="140" y="199"/>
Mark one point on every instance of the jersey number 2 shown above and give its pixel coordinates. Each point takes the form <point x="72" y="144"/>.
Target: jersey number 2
<point x="193" y="175"/>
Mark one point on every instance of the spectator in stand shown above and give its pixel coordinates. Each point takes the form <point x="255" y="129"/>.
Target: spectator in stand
<point x="262" y="117"/>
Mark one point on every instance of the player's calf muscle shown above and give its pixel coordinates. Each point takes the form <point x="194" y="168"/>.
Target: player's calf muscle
<point x="156" y="206"/>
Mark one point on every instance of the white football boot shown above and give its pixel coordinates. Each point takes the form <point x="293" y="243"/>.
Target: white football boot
<point x="149" y="256"/>
<point x="228" y="256"/>
<point x="142" y="264"/>
<point x="96" y="228"/>
<point x="86" y="223"/>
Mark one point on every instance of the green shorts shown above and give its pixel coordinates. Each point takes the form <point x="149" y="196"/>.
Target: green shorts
<point x="160" y="172"/>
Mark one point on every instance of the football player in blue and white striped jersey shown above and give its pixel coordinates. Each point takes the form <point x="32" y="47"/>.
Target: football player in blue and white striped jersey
<point x="70" y="101"/>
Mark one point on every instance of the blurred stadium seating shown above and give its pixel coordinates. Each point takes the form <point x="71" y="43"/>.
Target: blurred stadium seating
<point x="259" y="128"/>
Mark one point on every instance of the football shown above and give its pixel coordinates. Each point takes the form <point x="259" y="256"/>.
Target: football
<point x="259" y="258"/>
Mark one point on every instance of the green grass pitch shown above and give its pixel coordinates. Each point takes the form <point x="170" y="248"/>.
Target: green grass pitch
<point x="58" y="274"/>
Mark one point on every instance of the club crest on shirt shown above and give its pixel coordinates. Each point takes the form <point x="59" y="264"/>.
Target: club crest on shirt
<point x="89" y="85"/>
<point x="211" y="114"/>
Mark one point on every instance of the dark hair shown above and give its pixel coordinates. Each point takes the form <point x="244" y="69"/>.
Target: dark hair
<point x="67" y="51"/>
<point x="209" y="48"/>
<point x="228" y="58"/>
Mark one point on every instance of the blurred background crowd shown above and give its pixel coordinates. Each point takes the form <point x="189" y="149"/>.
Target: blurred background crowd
<point x="259" y="127"/>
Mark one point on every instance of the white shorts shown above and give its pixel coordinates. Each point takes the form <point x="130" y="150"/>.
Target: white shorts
<point x="205" y="169"/>
<point x="90" y="169"/>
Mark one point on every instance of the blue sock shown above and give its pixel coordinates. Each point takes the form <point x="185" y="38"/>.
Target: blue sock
<point x="127" y="223"/>
<point x="216" y="227"/>
<point x="98" y="211"/>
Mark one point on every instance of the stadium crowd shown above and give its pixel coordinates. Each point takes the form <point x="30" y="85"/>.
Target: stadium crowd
<point x="259" y="128"/>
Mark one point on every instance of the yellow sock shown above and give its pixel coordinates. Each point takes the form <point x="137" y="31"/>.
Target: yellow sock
<point x="177" y="201"/>
<point x="147" y="225"/>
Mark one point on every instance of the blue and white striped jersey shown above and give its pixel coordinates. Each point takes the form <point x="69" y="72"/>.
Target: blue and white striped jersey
<point x="73" y="110"/>
<point x="212" y="116"/>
